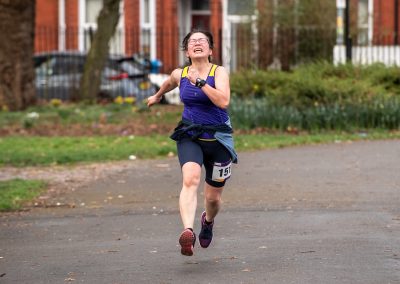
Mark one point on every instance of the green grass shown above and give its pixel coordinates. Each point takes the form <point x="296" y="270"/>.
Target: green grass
<point x="68" y="114"/>
<point x="13" y="193"/>
<point x="32" y="151"/>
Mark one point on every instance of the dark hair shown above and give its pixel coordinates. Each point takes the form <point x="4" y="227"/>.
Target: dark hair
<point x="185" y="41"/>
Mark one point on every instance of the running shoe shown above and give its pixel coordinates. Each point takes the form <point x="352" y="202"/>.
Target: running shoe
<point x="187" y="241"/>
<point x="206" y="234"/>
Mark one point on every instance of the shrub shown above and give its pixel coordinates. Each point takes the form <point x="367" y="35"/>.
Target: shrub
<point x="318" y="96"/>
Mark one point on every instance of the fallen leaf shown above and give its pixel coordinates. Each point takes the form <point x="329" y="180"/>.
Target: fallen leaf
<point x="308" y="251"/>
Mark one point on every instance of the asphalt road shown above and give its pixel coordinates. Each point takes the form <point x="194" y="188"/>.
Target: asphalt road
<point x="310" y="214"/>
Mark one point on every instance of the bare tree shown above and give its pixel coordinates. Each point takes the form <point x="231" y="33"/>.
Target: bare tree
<point x="17" y="21"/>
<point x="106" y="24"/>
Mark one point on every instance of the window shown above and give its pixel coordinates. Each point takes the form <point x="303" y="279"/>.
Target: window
<point x="147" y="28"/>
<point x="93" y="8"/>
<point x="146" y="12"/>
<point x="201" y="5"/>
<point x="239" y="45"/>
<point x="89" y="11"/>
<point x="200" y="11"/>
<point x="240" y="7"/>
<point x="363" y="18"/>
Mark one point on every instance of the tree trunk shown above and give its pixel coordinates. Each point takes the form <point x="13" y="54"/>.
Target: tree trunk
<point x="106" y="24"/>
<point x="17" y="22"/>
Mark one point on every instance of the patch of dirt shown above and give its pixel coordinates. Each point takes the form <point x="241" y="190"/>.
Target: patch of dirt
<point x="63" y="179"/>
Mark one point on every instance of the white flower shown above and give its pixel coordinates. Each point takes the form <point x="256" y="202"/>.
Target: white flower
<point x="33" y="115"/>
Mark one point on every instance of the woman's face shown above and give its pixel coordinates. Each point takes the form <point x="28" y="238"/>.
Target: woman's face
<point x="198" y="46"/>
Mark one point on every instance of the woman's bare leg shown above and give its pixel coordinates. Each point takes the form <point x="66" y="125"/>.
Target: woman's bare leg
<point x="191" y="173"/>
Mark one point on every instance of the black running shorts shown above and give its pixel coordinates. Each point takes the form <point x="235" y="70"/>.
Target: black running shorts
<point x="215" y="157"/>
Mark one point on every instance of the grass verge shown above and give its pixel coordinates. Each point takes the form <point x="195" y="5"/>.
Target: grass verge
<point x="14" y="193"/>
<point x="33" y="151"/>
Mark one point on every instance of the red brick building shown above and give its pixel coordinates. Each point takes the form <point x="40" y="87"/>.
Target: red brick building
<point x="374" y="31"/>
<point x="386" y="22"/>
<point x="375" y="22"/>
<point x="156" y="27"/>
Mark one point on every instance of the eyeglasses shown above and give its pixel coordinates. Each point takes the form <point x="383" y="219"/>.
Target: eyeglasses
<point x="201" y="40"/>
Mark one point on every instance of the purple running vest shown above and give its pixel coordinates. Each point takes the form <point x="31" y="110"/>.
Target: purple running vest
<point x="198" y="108"/>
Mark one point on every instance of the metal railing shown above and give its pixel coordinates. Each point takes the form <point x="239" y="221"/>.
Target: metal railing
<point x="281" y="49"/>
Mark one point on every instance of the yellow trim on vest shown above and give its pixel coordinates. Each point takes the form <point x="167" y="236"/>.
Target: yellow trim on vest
<point x="207" y="140"/>
<point x="185" y="71"/>
<point x="212" y="72"/>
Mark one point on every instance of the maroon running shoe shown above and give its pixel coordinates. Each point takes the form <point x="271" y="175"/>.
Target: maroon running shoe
<point x="187" y="241"/>
<point x="206" y="233"/>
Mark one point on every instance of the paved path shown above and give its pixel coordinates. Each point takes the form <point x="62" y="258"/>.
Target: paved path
<point x="312" y="214"/>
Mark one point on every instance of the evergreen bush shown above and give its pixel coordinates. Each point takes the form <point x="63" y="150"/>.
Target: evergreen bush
<point x="317" y="96"/>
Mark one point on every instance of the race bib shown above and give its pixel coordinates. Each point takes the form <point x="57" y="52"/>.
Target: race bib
<point x="221" y="171"/>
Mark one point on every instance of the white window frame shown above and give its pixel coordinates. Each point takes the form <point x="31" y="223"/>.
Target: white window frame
<point x="370" y="21"/>
<point x="81" y="29"/>
<point x="184" y="18"/>
<point x="61" y="25"/>
<point x="227" y="20"/>
<point x="83" y="26"/>
<point x="150" y="26"/>
<point x="366" y="26"/>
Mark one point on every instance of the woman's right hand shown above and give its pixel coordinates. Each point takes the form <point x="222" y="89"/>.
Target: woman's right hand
<point x="168" y="85"/>
<point x="154" y="99"/>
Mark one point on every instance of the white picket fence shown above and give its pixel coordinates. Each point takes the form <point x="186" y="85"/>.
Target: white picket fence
<point x="388" y="55"/>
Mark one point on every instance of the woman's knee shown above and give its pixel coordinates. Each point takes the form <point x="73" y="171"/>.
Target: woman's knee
<point x="191" y="181"/>
<point x="213" y="194"/>
<point x="191" y="175"/>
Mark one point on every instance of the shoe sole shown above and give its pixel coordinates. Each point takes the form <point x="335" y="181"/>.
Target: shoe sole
<point x="186" y="241"/>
